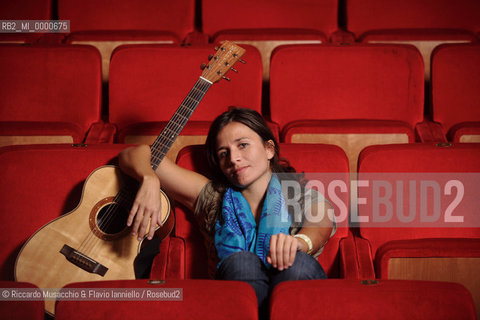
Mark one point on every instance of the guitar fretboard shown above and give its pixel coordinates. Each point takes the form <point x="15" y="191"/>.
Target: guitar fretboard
<point x="173" y="128"/>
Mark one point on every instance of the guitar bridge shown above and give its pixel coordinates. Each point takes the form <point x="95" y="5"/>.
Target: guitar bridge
<point x="82" y="261"/>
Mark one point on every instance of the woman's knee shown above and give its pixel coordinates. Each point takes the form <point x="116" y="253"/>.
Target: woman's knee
<point x="305" y="267"/>
<point x="243" y="265"/>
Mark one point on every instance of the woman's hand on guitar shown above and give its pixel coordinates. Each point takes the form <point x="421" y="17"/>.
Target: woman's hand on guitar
<point x="145" y="213"/>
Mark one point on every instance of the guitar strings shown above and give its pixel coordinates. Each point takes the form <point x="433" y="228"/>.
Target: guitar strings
<point x="158" y="153"/>
<point x="125" y="198"/>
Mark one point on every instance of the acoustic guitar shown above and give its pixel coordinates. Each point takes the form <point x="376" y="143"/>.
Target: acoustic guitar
<point x="92" y="242"/>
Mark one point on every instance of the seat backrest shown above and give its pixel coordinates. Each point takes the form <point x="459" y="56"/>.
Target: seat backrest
<point x="21" y="308"/>
<point x="372" y="299"/>
<point x="455" y="83"/>
<point x="164" y="298"/>
<point x="26" y="10"/>
<point x="252" y="14"/>
<point x="368" y="15"/>
<point x="149" y="82"/>
<point x="175" y="16"/>
<point x="374" y="82"/>
<point x="437" y="180"/>
<point x="326" y="164"/>
<point x="39" y="183"/>
<point x="50" y="84"/>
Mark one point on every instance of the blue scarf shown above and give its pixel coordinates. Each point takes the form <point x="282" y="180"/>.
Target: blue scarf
<point x="236" y="230"/>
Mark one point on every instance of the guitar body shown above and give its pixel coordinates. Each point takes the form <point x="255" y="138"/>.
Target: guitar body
<point x="42" y="262"/>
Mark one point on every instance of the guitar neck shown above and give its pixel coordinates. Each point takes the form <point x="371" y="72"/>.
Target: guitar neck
<point x="179" y="119"/>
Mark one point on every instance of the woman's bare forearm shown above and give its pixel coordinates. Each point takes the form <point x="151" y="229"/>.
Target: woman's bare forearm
<point x="181" y="184"/>
<point x="135" y="162"/>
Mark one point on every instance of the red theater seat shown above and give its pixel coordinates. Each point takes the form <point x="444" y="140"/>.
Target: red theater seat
<point x="148" y="83"/>
<point x="324" y="163"/>
<point x="455" y="95"/>
<point x="409" y="202"/>
<point x="39" y="183"/>
<point x="50" y="94"/>
<point x="350" y="96"/>
<point x="384" y="299"/>
<point x="207" y="299"/>
<point x="423" y="23"/>
<point x="268" y="24"/>
<point x="22" y="307"/>
<point x="107" y="24"/>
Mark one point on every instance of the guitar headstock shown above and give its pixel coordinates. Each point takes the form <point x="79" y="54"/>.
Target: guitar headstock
<point x="222" y="62"/>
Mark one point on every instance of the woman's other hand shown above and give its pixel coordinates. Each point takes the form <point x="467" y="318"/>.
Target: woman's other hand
<point x="283" y="249"/>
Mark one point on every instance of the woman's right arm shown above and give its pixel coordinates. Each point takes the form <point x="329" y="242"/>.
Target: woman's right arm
<point x="181" y="184"/>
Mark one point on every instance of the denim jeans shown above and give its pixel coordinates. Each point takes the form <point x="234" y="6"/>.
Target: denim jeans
<point x="247" y="266"/>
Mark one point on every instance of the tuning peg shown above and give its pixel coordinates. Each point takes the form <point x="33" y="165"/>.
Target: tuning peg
<point x="228" y="79"/>
<point x="203" y="66"/>
<point x="210" y="56"/>
<point x="242" y="61"/>
<point x="234" y="70"/>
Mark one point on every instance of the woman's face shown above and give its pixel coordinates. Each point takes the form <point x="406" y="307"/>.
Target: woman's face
<point x="243" y="156"/>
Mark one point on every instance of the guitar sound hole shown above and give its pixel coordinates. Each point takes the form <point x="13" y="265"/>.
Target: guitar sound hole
<point x="112" y="219"/>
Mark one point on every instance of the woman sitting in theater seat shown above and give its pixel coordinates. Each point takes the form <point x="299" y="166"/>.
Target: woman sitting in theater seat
<point x="254" y="236"/>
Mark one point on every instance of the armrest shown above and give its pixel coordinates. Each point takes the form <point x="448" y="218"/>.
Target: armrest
<point x="159" y="264"/>
<point x="196" y="37"/>
<point x="101" y="132"/>
<point x="170" y="261"/>
<point x="365" y="259"/>
<point x="348" y="259"/>
<point x="429" y="131"/>
<point x="342" y="37"/>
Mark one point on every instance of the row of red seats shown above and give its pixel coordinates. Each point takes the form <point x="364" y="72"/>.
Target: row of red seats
<point x="41" y="182"/>
<point x="351" y="96"/>
<point x="317" y="20"/>
<point x="264" y="24"/>
<point x="346" y="299"/>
